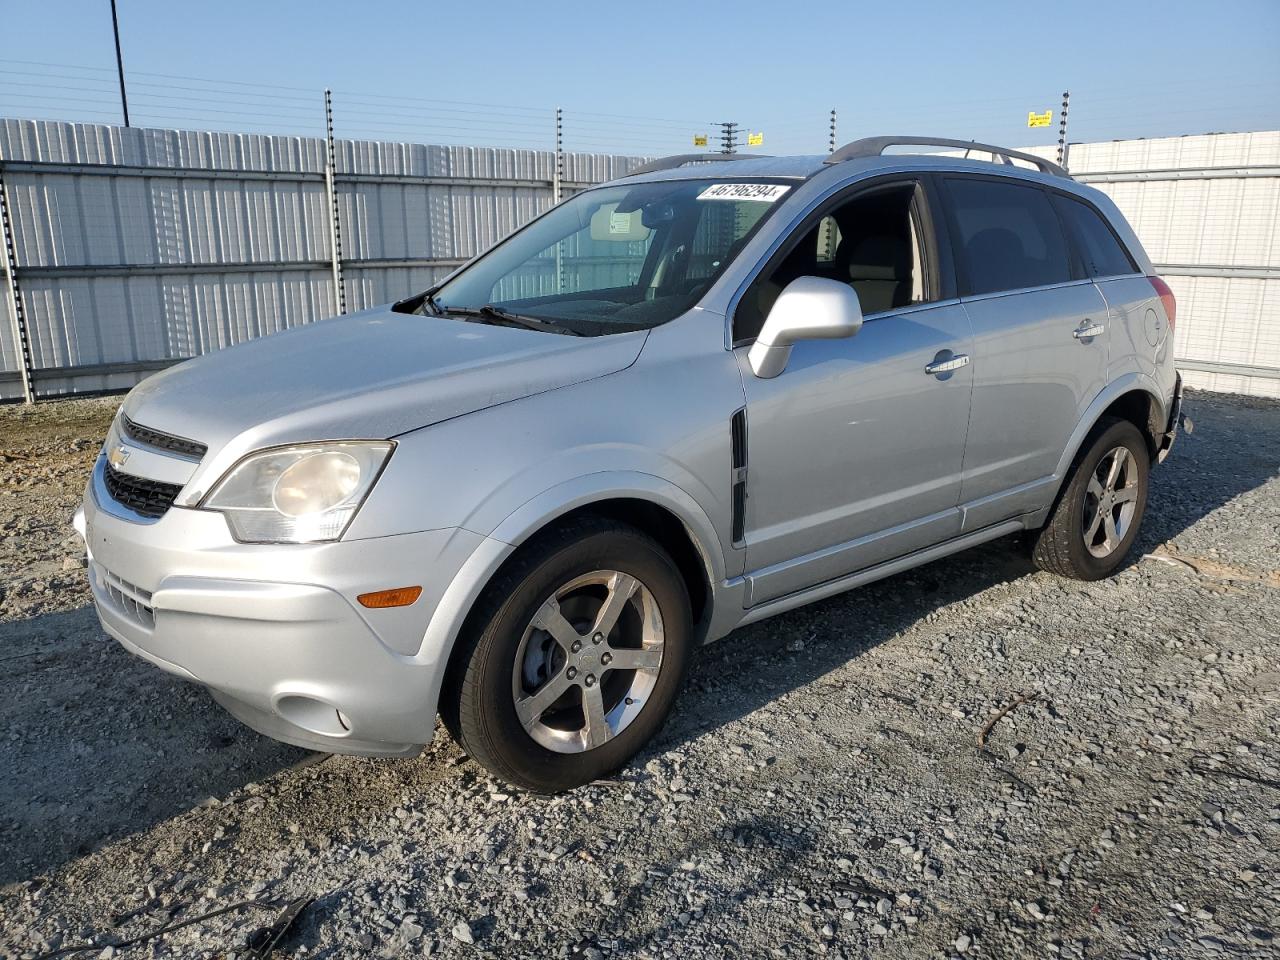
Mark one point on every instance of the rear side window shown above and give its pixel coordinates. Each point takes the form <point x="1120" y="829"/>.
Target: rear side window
<point x="1007" y="236"/>
<point x="1104" y="255"/>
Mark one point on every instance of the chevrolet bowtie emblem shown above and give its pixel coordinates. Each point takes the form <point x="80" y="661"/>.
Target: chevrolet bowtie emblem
<point x="118" y="455"/>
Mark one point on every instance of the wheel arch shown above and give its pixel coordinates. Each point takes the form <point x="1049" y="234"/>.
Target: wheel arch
<point x="653" y="505"/>
<point x="1144" y="410"/>
<point x="667" y="529"/>
<point x="1133" y="397"/>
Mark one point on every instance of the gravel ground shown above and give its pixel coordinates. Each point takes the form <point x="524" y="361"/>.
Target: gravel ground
<point x="819" y="791"/>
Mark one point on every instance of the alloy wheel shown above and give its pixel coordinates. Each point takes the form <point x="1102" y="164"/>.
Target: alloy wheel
<point x="1110" y="501"/>
<point x="588" y="661"/>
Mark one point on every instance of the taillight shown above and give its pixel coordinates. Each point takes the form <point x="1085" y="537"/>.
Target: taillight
<point x="1167" y="298"/>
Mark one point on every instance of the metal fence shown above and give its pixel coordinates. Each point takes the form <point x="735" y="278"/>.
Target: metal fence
<point x="1207" y="209"/>
<point x="134" y="248"/>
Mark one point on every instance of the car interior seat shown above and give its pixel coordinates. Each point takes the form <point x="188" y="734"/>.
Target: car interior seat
<point x="878" y="267"/>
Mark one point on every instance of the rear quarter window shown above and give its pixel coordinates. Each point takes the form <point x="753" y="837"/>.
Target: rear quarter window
<point x="1007" y="236"/>
<point x="1104" y="255"/>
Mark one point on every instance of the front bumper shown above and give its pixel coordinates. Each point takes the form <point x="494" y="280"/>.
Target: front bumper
<point x="274" y="631"/>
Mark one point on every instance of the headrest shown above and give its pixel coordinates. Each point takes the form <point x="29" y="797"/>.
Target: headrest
<point x="883" y="257"/>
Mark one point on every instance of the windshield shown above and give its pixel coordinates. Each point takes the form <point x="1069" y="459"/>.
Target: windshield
<point x="612" y="259"/>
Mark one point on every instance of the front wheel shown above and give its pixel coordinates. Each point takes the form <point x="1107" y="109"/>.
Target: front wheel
<point x="1096" y="520"/>
<point x="574" y="657"/>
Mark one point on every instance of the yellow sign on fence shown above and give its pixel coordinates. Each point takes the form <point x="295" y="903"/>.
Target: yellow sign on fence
<point x="1039" y="119"/>
<point x="755" y="139"/>
<point x="699" y="139"/>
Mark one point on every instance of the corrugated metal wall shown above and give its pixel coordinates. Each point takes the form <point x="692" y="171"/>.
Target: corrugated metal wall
<point x="137" y="247"/>
<point x="1207" y="209"/>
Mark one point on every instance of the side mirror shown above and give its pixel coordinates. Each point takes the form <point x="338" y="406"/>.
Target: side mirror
<point x="809" y="308"/>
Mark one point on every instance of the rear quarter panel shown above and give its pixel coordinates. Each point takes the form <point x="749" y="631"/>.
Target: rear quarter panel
<point x="1140" y="337"/>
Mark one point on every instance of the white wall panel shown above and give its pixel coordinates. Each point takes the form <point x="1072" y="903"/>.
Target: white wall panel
<point x="1191" y="226"/>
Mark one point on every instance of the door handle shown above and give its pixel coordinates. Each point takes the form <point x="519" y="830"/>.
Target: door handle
<point x="1088" y="330"/>
<point x="946" y="366"/>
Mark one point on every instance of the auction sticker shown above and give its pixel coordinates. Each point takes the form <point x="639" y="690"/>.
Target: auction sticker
<point x="761" y="192"/>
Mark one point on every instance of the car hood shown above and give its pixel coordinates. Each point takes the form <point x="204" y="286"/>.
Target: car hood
<point x="372" y="374"/>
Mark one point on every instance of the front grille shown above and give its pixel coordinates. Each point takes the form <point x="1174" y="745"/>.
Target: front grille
<point x="162" y="441"/>
<point x="130" y="600"/>
<point x="148" y="498"/>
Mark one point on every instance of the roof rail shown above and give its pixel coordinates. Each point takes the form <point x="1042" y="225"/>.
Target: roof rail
<point x="680" y="159"/>
<point x="875" y="146"/>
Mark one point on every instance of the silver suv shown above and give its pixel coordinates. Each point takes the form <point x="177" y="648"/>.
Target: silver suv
<point x="686" y="400"/>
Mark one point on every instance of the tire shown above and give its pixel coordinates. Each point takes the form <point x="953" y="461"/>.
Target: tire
<point x="1077" y="541"/>
<point x="556" y="589"/>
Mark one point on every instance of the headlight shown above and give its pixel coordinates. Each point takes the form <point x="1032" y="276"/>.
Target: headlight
<point x="113" y="435"/>
<point x="306" y="493"/>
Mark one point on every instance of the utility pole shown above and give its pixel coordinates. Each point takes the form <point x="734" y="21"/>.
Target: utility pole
<point x="1062" y="130"/>
<point x="558" y="178"/>
<point x="557" y="185"/>
<point x="21" y="338"/>
<point x="728" y="138"/>
<point x="335" y="223"/>
<point x="831" y="140"/>
<point x="115" y="28"/>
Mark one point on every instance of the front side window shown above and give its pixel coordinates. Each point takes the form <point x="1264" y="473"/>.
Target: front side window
<point x="1007" y="236"/>
<point x="615" y="258"/>
<point x="1104" y="256"/>
<point x="828" y="241"/>
<point x="871" y="242"/>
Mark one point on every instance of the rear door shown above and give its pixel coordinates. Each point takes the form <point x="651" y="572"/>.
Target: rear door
<point x="1039" y="341"/>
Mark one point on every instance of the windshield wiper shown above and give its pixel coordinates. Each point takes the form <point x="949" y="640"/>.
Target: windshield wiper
<point x="494" y="314"/>
<point x="522" y="320"/>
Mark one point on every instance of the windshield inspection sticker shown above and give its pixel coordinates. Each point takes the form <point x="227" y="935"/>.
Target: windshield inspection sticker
<point x="762" y="192"/>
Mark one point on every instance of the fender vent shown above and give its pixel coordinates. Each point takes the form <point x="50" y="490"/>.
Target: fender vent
<point x="738" y="431"/>
<point x="738" y="438"/>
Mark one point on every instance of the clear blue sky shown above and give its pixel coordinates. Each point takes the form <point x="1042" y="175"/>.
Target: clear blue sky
<point x="645" y="77"/>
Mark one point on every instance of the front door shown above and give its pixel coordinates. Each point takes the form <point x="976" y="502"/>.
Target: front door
<point x="854" y="452"/>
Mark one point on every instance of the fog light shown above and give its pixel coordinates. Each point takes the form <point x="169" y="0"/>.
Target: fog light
<point x="399" y="597"/>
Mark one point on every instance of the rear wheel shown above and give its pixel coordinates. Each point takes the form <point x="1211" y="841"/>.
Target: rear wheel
<point x="574" y="659"/>
<point x="1096" y="520"/>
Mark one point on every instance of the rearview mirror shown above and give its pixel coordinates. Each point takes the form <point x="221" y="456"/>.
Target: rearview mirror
<point x="809" y="308"/>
